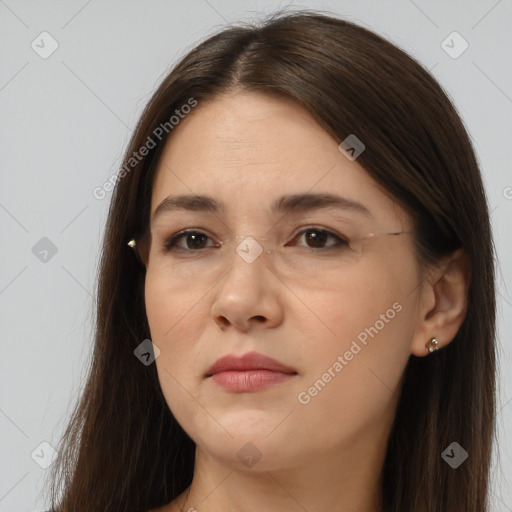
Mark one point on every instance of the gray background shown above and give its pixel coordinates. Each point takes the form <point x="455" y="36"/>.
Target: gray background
<point x="65" y="121"/>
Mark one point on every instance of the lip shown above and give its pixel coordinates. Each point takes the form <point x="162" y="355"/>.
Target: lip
<point x="248" y="373"/>
<point x="249" y="361"/>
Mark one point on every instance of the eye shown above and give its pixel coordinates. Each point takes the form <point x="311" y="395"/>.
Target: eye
<point x="315" y="238"/>
<point x="194" y="240"/>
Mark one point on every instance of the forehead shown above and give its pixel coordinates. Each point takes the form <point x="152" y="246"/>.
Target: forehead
<point x="248" y="149"/>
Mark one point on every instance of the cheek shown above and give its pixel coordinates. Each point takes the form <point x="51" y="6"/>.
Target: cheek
<point x="371" y="303"/>
<point x="176" y="320"/>
<point x="170" y="308"/>
<point x="356" y="364"/>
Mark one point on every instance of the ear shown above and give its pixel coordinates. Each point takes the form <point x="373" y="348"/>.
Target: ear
<point x="443" y="303"/>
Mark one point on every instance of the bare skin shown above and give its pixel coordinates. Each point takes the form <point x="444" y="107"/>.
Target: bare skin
<point x="324" y="452"/>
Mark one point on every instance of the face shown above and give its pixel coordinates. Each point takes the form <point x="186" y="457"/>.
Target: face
<point x="318" y="294"/>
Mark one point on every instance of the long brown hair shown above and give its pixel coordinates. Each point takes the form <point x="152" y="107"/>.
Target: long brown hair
<point x="123" y="450"/>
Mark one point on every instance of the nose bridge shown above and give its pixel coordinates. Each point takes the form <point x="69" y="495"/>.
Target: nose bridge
<point x="250" y="248"/>
<point x="246" y="291"/>
<point x="246" y="258"/>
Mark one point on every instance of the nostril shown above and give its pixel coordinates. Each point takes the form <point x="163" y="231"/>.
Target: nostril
<point x="224" y="321"/>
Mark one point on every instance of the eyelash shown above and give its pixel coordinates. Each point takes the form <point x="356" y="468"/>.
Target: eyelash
<point x="170" y="243"/>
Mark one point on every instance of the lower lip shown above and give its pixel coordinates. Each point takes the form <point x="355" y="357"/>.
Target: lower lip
<point x="249" y="380"/>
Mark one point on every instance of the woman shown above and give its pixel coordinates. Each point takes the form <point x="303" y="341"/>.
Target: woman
<point x="296" y="305"/>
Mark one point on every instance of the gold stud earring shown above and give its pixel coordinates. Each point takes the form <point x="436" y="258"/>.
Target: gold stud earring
<point x="432" y="345"/>
<point x="132" y="243"/>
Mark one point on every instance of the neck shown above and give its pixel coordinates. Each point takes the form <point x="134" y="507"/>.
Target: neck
<point x="341" y="480"/>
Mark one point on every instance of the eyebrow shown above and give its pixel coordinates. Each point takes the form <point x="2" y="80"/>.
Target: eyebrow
<point x="284" y="204"/>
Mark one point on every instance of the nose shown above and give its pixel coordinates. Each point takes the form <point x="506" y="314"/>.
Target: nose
<point x="250" y="293"/>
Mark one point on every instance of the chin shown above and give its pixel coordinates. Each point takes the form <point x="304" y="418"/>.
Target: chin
<point x="251" y="453"/>
<point x="257" y="443"/>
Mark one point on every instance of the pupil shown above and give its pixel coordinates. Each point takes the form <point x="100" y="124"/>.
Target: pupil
<point x="196" y="238"/>
<point x="316" y="238"/>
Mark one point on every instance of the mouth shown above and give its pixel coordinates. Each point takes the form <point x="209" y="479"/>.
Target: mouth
<point x="249" y="373"/>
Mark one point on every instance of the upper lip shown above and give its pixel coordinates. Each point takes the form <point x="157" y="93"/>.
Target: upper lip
<point x="249" y="361"/>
